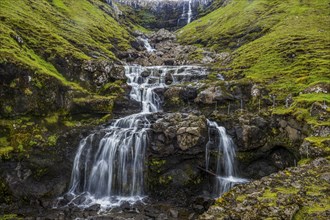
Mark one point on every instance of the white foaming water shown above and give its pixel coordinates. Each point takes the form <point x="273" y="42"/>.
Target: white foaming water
<point x="225" y="164"/>
<point x="189" y="12"/>
<point x="147" y="45"/>
<point x="109" y="165"/>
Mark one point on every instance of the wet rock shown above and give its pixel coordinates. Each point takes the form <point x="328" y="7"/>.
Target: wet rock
<point x="255" y="91"/>
<point x="318" y="88"/>
<point x="293" y="133"/>
<point x="145" y="73"/>
<point x="98" y="73"/>
<point x="212" y="95"/>
<point x="255" y="199"/>
<point x="93" y="208"/>
<point x="308" y="150"/>
<point x="198" y="208"/>
<point x="188" y="130"/>
<point x="168" y="78"/>
<point x="169" y="62"/>
<point x="319" y="110"/>
<point x="162" y="35"/>
<point x="174" y="213"/>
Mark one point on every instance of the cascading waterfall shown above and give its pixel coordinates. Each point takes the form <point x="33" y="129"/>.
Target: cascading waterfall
<point x="147" y="45"/>
<point x="109" y="165"/>
<point x="189" y="14"/>
<point x="226" y="175"/>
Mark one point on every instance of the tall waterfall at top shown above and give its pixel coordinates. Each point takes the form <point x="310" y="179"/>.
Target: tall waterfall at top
<point x="189" y="14"/>
<point x="168" y="14"/>
<point x="109" y="165"/>
<point x="226" y="176"/>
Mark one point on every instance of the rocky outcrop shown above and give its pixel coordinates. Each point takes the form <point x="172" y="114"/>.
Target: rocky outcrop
<point x="97" y="73"/>
<point x="179" y="131"/>
<point x="167" y="51"/>
<point x="289" y="194"/>
<point x="177" y="147"/>
<point x="213" y="95"/>
<point x="169" y="14"/>
<point x="23" y="92"/>
<point x="33" y="182"/>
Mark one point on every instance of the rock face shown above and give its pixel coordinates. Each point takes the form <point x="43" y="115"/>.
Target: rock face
<point x="289" y="194"/>
<point x="182" y="131"/>
<point x="31" y="183"/>
<point x="169" y="14"/>
<point x="21" y="91"/>
<point x="213" y="95"/>
<point x="98" y="73"/>
<point x="177" y="147"/>
<point x="166" y="51"/>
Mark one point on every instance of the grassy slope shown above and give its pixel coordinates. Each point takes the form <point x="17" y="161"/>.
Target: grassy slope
<point x="303" y="189"/>
<point x="74" y="30"/>
<point x="283" y="45"/>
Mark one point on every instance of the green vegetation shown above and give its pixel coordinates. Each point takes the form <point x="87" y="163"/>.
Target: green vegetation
<point x="38" y="35"/>
<point x="10" y="217"/>
<point x="294" y="189"/>
<point x="283" y="45"/>
<point x="44" y="46"/>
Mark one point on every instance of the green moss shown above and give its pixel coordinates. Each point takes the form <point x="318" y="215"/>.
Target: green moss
<point x="69" y="123"/>
<point x="321" y="143"/>
<point x="10" y="217"/>
<point x="312" y="210"/>
<point x="52" y="119"/>
<point x="165" y="180"/>
<point x="269" y="195"/>
<point x="96" y="104"/>
<point x="8" y="109"/>
<point x="282" y="110"/>
<point x="286" y="190"/>
<point x="304" y="161"/>
<point x="112" y="88"/>
<point x="5" y="151"/>
<point x="240" y="198"/>
<point x="156" y="165"/>
<point x="52" y="140"/>
<point x="197" y="55"/>
<point x="282" y="45"/>
<point x="55" y="32"/>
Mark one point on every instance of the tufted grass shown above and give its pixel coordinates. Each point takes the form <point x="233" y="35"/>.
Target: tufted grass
<point x="76" y="30"/>
<point x="281" y="45"/>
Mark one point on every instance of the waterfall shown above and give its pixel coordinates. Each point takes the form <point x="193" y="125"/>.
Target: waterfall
<point x="226" y="175"/>
<point x="189" y="14"/>
<point x="147" y="44"/>
<point x="109" y="165"/>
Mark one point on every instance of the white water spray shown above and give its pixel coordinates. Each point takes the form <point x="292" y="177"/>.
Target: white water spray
<point x="109" y="165"/>
<point x="147" y="45"/>
<point x="225" y="164"/>
<point x="189" y="14"/>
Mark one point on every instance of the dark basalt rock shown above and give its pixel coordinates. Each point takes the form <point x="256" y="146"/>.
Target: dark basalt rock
<point x="35" y="181"/>
<point x="291" y="190"/>
<point x="169" y="14"/>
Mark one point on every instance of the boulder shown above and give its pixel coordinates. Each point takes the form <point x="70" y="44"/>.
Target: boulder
<point x="97" y="73"/>
<point x="183" y="131"/>
<point x="212" y="95"/>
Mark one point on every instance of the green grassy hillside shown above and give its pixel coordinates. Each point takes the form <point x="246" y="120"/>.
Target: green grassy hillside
<point x="74" y="29"/>
<point x="44" y="47"/>
<point x="281" y="45"/>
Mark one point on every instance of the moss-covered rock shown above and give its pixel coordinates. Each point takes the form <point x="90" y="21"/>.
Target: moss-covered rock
<point x="290" y="194"/>
<point x="279" y="45"/>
